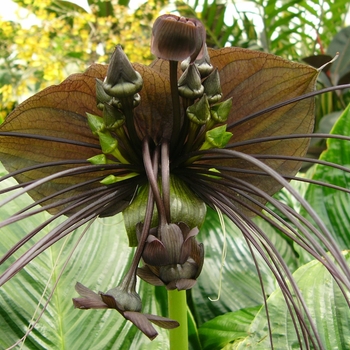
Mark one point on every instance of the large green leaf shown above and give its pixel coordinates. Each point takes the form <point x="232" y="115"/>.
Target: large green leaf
<point x="227" y="328"/>
<point x="327" y="307"/>
<point x="99" y="262"/>
<point x="330" y="204"/>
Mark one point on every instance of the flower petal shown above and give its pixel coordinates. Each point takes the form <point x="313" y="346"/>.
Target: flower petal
<point x="163" y="322"/>
<point x="177" y="38"/>
<point x="154" y="252"/>
<point x="90" y="300"/>
<point x="142" y="323"/>
<point x="86" y="292"/>
<point x="149" y="276"/>
<point x="172" y="239"/>
<point x="86" y="303"/>
<point x="181" y="284"/>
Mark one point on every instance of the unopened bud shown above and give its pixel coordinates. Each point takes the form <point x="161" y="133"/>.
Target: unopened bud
<point x="101" y="95"/>
<point x="125" y="301"/>
<point x="199" y="112"/>
<point x="190" y="85"/>
<point x="122" y="79"/>
<point x="212" y="87"/>
<point x="220" y="111"/>
<point x="175" y="38"/>
<point x="203" y="64"/>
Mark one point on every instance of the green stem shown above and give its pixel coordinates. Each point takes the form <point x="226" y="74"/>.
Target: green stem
<point x="177" y="304"/>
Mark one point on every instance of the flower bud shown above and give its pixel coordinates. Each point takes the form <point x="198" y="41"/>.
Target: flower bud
<point x="203" y="64"/>
<point x="119" y="298"/>
<point x="212" y="87"/>
<point x="190" y="85"/>
<point x="199" y="112"/>
<point x="176" y="38"/>
<point x="173" y="257"/>
<point x="122" y="79"/>
<point x="220" y="111"/>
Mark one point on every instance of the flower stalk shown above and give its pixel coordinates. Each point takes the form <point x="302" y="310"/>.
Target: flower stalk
<point x="177" y="305"/>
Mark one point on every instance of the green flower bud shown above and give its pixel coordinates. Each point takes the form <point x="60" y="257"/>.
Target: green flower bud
<point x="190" y="85"/>
<point x="101" y="95"/>
<point x="212" y="87"/>
<point x="113" y="118"/>
<point x="220" y="111"/>
<point x="199" y="112"/>
<point x="203" y="64"/>
<point x="122" y="79"/>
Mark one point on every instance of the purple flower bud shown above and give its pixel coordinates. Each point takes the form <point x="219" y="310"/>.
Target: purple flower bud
<point x="177" y="38"/>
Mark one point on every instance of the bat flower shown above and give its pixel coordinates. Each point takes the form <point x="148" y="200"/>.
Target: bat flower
<point x="225" y="129"/>
<point x="130" y="308"/>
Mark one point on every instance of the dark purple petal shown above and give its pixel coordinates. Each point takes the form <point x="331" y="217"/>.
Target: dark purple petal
<point x="172" y="239"/>
<point x="154" y="252"/>
<point x="148" y="276"/>
<point x="181" y="284"/>
<point x="142" y="323"/>
<point x="86" y="303"/>
<point x="163" y="322"/>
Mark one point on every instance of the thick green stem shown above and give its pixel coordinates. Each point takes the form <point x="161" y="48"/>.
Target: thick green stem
<point x="178" y="311"/>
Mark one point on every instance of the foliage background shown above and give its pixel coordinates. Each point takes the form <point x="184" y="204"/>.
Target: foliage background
<point x="66" y="39"/>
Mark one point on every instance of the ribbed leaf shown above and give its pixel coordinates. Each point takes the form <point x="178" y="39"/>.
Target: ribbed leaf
<point x="326" y="304"/>
<point x="227" y="328"/>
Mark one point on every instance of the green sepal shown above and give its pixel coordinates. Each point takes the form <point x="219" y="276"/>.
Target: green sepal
<point x="108" y="142"/>
<point x="112" y="179"/>
<point x="213" y="170"/>
<point x="96" y="123"/>
<point x="112" y="117"/>
<point x="98" y="159"/>
<point x="216" y="138"/>
<point x="109" y="145"/>
<point x="185" y="207"/>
